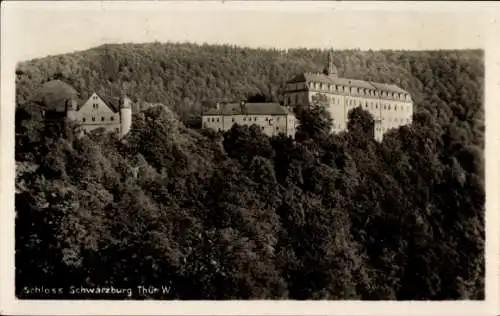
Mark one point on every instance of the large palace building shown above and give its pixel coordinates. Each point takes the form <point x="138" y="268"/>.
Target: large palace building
<point x="389" y="105"/>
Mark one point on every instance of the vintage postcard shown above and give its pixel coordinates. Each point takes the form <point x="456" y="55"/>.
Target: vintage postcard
<point x="239" y="157"/>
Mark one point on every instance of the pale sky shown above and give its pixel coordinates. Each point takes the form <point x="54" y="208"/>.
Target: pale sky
<point x="40" y="28"/>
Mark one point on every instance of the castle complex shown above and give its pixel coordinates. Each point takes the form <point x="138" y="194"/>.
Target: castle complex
<point x="99" y="112"/>
<point x="389" y="105"/>
<point x="61" y="100"/>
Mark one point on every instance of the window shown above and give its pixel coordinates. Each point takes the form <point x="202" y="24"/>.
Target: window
<point x="389" y="107"/>
<point x="244" y="119"/>
<point x="232" y="119"/>
<point x="277" y="128"/>
<point x="255" y="119"/>
<point x="83" y="120"/>
<point x="93" y="119"/>
<point x="102" y="118"/>
<point x="217" y="120"/>
<point x="117" y="130"/>
<point x="112" y="118"/>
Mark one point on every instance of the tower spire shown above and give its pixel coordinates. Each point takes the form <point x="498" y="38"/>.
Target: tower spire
<point x="331" y="70"/>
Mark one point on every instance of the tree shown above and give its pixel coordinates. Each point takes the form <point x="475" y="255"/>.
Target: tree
<point x="315" y="123"/>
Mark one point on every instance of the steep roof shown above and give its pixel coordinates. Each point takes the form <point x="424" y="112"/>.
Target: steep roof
<point x="54" y="94"/>
<point x="267" y="108"/>
<point x="112" y="102"/>
<point x="322" y="78"/>
<point x="388" y="87"/>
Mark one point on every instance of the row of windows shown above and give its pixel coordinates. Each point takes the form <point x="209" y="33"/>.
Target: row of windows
<point x="220" y="130"/>
<point x="397" y="120"/>
<point x="102" y="119"/>
<point x="386" y="106"/>
<point x="350" y="102"/>
<point x="361" y="91"/>
<point x="245" y="119"/>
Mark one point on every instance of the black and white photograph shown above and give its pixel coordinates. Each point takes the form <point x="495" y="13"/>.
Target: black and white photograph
<point x="249" y="151"/>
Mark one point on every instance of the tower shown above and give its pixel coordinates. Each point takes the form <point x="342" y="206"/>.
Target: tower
<point x="330" y="69"/>
<point x="125" y="114"/>
<point x="71" y="109"/>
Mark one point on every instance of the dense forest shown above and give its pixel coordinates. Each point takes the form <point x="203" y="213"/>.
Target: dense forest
<point x="239" y="215"/>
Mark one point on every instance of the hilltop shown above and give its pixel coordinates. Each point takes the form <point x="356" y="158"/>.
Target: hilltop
<point x="188" y="77"/>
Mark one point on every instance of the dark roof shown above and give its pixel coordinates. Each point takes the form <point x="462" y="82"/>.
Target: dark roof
<point x="249" y="109"/>
<point x="112" y="102"/>
<point x="388" y="87"/>
<point x="54" y="94"/>
<point x="322" y="78"/>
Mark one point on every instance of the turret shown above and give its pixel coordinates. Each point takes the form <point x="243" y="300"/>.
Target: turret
<point x="330" y="69"/>
<point x="71" y="109"/>
<point x="125" y="115"/>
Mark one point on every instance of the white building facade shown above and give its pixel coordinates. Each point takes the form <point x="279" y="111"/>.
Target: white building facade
<point x="99" y="112"/>
<point x="389" y="105"/>
<point x="272" y="118"/>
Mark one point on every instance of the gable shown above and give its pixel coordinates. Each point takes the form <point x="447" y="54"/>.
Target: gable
<point x="96" y="103"/>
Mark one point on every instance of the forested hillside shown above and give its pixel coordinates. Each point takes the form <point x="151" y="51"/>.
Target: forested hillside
<point x="240" y="215"/>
